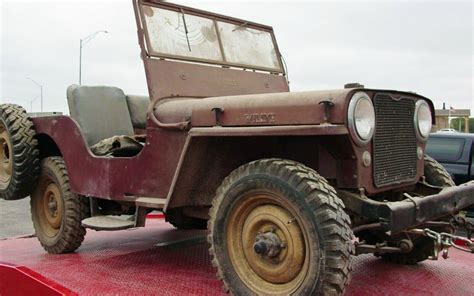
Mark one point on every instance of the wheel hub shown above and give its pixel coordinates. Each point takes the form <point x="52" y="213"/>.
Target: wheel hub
<point x="268" y="244"/>
<point x="51" y="209"/>
<point x="53" y="206"/>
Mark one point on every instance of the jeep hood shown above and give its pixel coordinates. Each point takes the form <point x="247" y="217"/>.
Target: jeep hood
<point x="287" y="108"/>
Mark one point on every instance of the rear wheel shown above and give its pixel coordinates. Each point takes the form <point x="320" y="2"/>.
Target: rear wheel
<point x="277" y="228"/>
<point x="56" y="211"/>
<point x="423" y="247"/>
<point x="19" y="155"/>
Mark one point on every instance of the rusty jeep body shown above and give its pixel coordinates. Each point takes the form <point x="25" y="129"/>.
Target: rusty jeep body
<point x="284" y="181"/>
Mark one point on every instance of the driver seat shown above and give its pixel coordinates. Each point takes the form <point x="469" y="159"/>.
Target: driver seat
<point x="103" y="115"/>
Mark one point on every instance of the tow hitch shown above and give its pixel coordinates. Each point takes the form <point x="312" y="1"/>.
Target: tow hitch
<point x="443" y="240"/>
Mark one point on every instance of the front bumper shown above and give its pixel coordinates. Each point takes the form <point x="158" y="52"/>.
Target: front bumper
<point x="413" y="211"/>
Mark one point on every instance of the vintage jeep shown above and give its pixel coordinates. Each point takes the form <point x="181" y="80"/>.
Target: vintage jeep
<point x="289" y="185"/>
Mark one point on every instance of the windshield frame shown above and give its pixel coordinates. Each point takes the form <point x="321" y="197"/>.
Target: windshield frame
<point x="215" y="18"/>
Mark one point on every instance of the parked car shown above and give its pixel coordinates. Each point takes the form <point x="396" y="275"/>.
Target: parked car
<point x="454" y="151"/>
<point x="447" y="130"/>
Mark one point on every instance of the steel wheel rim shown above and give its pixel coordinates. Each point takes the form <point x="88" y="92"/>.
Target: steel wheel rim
<point x="260" y="212"/>
<point x="6" y="157"/>
<point x="50" y="208"/>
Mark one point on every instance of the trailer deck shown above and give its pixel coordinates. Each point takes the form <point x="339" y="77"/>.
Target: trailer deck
<point x="160" y="260"/>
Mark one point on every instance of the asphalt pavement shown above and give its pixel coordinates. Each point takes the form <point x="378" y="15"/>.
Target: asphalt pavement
<point x="15" y="218"/>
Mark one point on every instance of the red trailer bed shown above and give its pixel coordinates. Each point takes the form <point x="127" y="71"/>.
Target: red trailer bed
<point x="160" y="260"/>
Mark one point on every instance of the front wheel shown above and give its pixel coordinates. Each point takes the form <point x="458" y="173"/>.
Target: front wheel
<point x="278" y="228"/>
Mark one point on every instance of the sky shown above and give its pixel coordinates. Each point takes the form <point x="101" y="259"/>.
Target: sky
<point x="420" y="46"/>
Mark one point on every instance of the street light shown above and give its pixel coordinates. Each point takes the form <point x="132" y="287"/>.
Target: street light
<point x="31" y="104"/>
<point x="41" y="89"/>
<point x="83" y="43"/>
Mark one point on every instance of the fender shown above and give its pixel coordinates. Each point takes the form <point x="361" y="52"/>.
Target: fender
<point x="148" y="174"/>
<point x="211" y="153"/>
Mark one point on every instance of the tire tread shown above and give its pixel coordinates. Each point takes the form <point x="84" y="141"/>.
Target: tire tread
<point x="26" y="162"/>
<point x="327" y="207"/>
<point x="76" y="208"/>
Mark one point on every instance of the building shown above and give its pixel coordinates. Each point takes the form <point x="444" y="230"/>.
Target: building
<point x="443" y="115"/>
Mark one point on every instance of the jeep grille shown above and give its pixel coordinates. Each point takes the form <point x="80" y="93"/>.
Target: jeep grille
<point x="394" y="144"/>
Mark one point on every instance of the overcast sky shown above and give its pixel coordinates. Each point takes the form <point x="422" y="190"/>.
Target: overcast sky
<point x="425" y="47"/>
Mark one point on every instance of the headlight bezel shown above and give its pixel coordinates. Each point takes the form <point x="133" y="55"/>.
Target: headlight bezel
<point x="419" y="134"/>
<point x="355" y="101"/>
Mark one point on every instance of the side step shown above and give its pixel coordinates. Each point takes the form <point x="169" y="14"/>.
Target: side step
<point x="111" y="223"/>
<point x="108" y="223"/>
<point x="151" y="202"/>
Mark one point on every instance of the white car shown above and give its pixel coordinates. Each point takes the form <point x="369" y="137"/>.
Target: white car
<point x="447" y="130"/>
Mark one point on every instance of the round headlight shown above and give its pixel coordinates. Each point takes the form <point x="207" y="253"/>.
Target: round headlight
<point x="361" y="118"/>
<point x="422" y="120"/>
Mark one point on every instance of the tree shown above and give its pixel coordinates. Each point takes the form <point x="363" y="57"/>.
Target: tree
<point x="458" y="124"/>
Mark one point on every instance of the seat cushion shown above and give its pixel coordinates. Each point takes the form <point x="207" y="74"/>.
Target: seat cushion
<point x="118" y="146"/>
<point x="101" y="111"/>
<point x="138" y="107"/>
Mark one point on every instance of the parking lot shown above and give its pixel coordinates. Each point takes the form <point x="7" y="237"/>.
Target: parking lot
<point x="15" y="218"/>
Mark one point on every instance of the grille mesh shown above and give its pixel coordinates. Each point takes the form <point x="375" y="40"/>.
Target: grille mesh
<point x="394" y="145"/>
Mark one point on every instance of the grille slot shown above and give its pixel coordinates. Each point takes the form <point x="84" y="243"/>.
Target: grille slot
<point x="394" y="144"/>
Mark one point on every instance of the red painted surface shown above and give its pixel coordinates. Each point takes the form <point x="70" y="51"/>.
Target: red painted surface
<point x="155" y="216"/>
<point x="20" y="280"/>
<point x="128" y="262"/>
<point x="462" y="243"/>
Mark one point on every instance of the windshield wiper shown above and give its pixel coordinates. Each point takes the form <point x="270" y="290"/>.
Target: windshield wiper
<point x="185" y="29"/>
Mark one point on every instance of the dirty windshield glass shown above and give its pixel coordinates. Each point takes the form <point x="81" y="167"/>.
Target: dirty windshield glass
<point x="181" y="35"/>
<point x="248" y="46"/>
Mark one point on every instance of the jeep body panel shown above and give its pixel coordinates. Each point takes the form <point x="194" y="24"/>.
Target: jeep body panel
<point x="148" y="174"/>
<point x="170" y="156"/>
<point x="154" y="171"/>
<point x="295" y="108"/>
<point x="287" y="108"/>
<point x="167" y="79"/>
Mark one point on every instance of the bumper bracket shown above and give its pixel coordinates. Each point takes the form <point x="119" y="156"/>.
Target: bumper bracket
<point x="412" y="211"/>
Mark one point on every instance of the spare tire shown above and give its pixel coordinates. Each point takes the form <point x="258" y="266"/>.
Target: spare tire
<point x="19" y="154"/>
